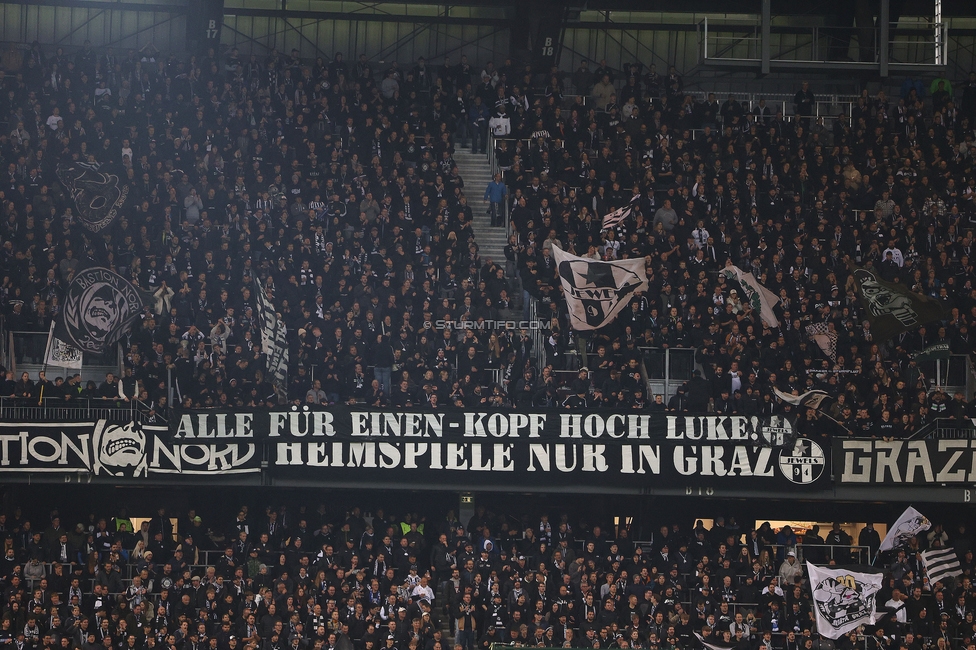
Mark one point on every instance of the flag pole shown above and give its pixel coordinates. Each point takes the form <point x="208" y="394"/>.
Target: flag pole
<point x="819" y="411"/>
<point x="47" y="354"/>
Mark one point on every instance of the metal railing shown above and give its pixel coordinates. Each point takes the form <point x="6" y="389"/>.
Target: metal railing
<point x="919" y="42"/>
<point x="5" y="342"/>
<point x="946" y="429"/>
<point x="495" y="169"/>
<point x="537" y="335"/>
<point x="492" y="161"/>
<point x="76" y="409"/>
<point x="667" y="368"/>
<point x="27" y="348"/>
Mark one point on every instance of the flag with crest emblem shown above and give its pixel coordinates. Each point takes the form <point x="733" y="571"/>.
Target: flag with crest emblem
<point x="596" y="291"/>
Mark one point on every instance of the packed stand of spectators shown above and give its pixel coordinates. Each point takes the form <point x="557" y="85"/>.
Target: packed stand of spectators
<point x="892" y="186"/>
<point x="315" y="580"/>
<point x="329" y="184"/>
<point x="333" y="188"/>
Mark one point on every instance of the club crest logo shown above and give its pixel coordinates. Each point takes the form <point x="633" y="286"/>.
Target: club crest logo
<point x="802" y="463"/>
<point x="776" y="431"/>
<point x="601" y="288"/>
<point x="120" y="449"/>
<point x="99" y="306"/>
<point x="98" y="196"/>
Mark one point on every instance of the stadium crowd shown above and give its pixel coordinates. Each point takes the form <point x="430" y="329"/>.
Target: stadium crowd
<point x="324" y="580"/>
<point x="334" y="189"/>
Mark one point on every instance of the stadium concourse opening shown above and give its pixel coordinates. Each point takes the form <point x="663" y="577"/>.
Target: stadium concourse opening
<point x="642" y="516"/>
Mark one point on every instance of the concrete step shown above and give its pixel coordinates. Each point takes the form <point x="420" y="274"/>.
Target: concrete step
<point x="476" y="172"/>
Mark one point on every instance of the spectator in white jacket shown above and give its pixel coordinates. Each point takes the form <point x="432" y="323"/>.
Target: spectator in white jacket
<point x="164" y="298"/>
<point x="937" y="534"/>
<point x="896" y="254"/>
<point x="192" y="205"/>
<point x="790" y="570"/>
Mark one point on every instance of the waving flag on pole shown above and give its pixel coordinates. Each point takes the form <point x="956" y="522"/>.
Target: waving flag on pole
<point x="98" y="196"/>
<point x="274" y="340"/>
<point x="817" y="400"/>
<point x="596" y="291"/>
<point x="940" y="564"/>
<point x="60" y="354"/>
<point x="825" y="338"/>
<point x="911" y="523"/>
<point x="99" y="307"/>
<point x="812" y="399"/>
<point x="843" y="599"/>
<point x="935" y="351"/>
<point x="762" y="299"/>
<point x="712" y="646"/>
<point x="891" y="307"/>
<point x="617" y="217"/>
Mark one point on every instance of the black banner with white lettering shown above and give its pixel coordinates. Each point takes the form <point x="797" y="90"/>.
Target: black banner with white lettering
<point x="117" y="450"/>
<point x="435" y="449"/>
<point x="909" y="462"/>
<point x="524" y="449"/>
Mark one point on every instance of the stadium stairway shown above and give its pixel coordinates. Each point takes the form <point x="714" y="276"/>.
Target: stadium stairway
<point x="442" y="602"/>
<point x="476" y="172"/>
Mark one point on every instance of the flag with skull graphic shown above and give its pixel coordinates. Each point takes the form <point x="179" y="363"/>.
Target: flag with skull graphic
<point x="890" y="307"/>
<point x="119" y="449"/>
<point x="99" y="307"/>
<point x="597" y="291"/>
<point x="98" y="196"/>
<point x="843" y="599"/>
<point x="909" y="524"/>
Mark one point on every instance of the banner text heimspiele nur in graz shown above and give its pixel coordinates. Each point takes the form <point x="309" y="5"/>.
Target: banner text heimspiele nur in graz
<point x="540" y="448"/>
<point x="449" y="448"/>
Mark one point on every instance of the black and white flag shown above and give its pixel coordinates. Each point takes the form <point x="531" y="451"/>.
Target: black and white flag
<point x="776" y="431"/>
<point x="60" y="354"/>
<point x="825" y="338"/>
<point x="909" y="524"/>
<point x="760" y="298"/>
<point x="597" y="291"/>
<point x="812" y="399"/>
<point x="99" y="197"/>
<point x="99" y="307"/>
<point x="613" y="219"/>
<point x="714" y="644"/>
<point x="935" y="351"/>
<point x="891" y="307"/>
<point x="843" y="599"/>
<point x="941" y="563"/>
<point x="274" y="340"/>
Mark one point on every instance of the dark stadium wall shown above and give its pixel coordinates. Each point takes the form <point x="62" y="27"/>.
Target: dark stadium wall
<point x="481" y="32"/>
<point x="204" y="24"/>
<point x="647" y="513"/>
